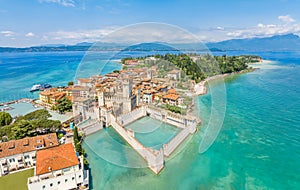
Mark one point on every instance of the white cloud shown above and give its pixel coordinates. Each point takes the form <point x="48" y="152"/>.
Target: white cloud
<point x="66" y="3"/>
<point x="77" y="36"/>
<point x="286" y="18"/>
<point x="144" y="32"/>
<point x="29" y="34"/>
<point x="266" y="30"/>
<point x="7" y="33"/>
<point x="220" y="28"/>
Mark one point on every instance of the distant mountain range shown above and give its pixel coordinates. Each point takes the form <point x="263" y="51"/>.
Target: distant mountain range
<point x="288" y="42"/>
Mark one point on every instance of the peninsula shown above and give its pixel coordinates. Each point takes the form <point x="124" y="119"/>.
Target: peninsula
<point x="162" y="87"/>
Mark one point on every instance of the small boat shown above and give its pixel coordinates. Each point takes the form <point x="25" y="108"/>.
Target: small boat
<point x="38" y="87"/>
<point x="35" y="87"/>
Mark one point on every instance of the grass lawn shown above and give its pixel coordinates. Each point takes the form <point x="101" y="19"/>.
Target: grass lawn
<point x="16" y="181"/>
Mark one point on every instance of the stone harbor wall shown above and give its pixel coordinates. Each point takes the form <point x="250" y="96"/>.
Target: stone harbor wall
<point x="92" y="128"/>
<point x="178" y="139"/>
<point x="132" y="116"/>
<point x="154" y="158"/>
<point x="177" y="120"/>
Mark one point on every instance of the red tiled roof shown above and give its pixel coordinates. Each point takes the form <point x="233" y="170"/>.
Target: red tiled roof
<point x="131" y="61"/>
<point x="55" y="158"/>
<point x="70" y="98"/>
<point x="84" y="80"/>
<point x="172" y="91"/>
<point x="27" y="144"/>
<point x="112" y="75"/>
<point x="58" y="95"/>
<point x="171" y="97"/>
<point x="45" y="93"/>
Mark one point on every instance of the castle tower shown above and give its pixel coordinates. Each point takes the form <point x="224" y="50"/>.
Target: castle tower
<point x="149" y="74"/>
<point x="127" y="88"/>
<point x="138" y="97"/>
<point x="101" y="101"/>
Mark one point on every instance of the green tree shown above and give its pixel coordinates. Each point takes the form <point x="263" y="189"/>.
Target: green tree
<point x="64" y="105"/>
<point x="22" y="129"/>
<point x="35" y="115"/>
<point x="71" y="83"/>
<point x="75" y="135"/>
<point x="5" y="118"/>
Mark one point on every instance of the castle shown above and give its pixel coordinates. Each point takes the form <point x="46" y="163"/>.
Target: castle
<point x="122" y="97"/>
<point x="120" y="100"/>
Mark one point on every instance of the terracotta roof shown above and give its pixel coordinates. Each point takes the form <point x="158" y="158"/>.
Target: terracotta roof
<point x="45" y="93"/>
<point x="154" y="81"/>
<point x="139" y="70"/>
<point x="171" y="97"/>
<point x="27" y="144"/>
<point x="58" y="95"/>
<point x="172" y="91"/>
<point x="162" y="86"/>
<point x="80" y="88"/>
<point x="53" y="89"/>
<point x="55" y="158"/>
<point x="131" y="61"/>
<point x="84" y="80"/>
<point x="70" y="98"/>
<point x="112" y="75"/>
<point x="68" y="88"/>
<point x="79" y="99"/>
<point x="146" y="80"/>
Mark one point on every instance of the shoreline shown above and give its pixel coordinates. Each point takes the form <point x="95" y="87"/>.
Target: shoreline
<point x="25" y="100"/>
<point x="201" y="88"/>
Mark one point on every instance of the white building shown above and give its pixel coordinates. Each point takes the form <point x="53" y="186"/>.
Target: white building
<point x="147" y="97"/>
<point x="20" y="154"/>
<point x="174" y="74"/>
<point x="58" y="168"/>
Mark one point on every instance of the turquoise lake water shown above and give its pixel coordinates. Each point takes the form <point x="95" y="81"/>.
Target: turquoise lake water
<point x="152" y="133"/>
<point x="258" y="146"/>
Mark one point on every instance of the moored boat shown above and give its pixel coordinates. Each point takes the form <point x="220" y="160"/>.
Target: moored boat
<point x="38" y="87"/>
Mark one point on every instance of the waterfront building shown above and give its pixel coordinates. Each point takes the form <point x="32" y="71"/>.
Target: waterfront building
<point x="50" y="97"/>
<point x="19" y="154"/>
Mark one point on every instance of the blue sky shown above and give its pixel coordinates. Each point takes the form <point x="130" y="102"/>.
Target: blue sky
<point x="35" y="22"/>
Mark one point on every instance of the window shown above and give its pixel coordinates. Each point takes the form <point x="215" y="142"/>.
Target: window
<point x="73" y="178"/>
<point x="66" y="170"/>
<point x="66" y="180"/>
<point x="51" y="184"/>
<point x="11" y="160"/>
<point x="39" y="146"/>
<point x="79" y="176"/>
<point x="26" y="156"/>
<point x="58" y="182"/>
<point x="44" y="187"/>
